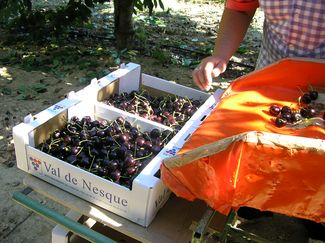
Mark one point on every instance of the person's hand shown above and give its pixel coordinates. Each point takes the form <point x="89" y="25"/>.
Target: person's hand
<point x="210" y="67"/>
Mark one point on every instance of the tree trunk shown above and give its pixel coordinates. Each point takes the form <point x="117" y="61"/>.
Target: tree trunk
<point x="123" y="23"/>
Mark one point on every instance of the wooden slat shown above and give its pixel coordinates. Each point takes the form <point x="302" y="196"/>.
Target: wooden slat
<point x="172" y="223"/>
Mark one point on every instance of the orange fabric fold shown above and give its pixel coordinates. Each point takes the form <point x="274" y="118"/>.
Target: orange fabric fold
<point x="266" y="176"/>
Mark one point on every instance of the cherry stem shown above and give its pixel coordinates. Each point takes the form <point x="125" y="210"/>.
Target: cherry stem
<point x="91" y="165"/>
<point x="143" y="157"/>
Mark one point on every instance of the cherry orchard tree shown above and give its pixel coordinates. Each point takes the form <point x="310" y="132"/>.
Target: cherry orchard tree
<point x="123" y="23"/>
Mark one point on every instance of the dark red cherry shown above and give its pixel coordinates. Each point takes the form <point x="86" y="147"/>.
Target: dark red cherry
<point x="129" y="161"/>
<point x="155" y="133"/>
<point x="306" y="99"/>
<point x="115" y="175"/>
<point x="313" y="112"/>
<point x="296" y="116"/>
<point x="131" y="170"/>
<point x="313" y="94"/>
<point x="280" y="122"/>
<point x="304" y="112"/>
<point x="286" y="109"/>
<point x="286" y="116"/>
<point x="274" y="110"/>
<point x="140" y="141"/>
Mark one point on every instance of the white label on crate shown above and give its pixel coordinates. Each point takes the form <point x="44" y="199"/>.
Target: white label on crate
<point x="80" y="182"/>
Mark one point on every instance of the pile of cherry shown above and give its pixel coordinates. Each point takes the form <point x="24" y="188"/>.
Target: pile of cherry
<point x="170" y="110"/>
<point x="115" y="150"/>
<point x="308" y="108"/>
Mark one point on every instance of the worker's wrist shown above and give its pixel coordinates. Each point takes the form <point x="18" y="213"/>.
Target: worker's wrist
<point x="222" y="58"/>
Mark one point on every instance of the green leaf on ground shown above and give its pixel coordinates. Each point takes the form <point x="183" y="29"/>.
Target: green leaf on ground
<point x="5" y="91"/>
<point x="242" y="50"/>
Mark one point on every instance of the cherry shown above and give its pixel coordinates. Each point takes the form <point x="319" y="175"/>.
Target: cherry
<point x="101" y="133"/>
<point x="127" y="124"/>
<point x="108" y="140"/>
<point x="112" y="154"/>
<point x="76" y="141"/>
<point x="155" y="133"/>
<point x="129" y="161"/>
<point x="274" y="110"/>
<point x="71" y="159"/>
<point x="286" y="109"/>
<point x="96" y="165"/>
<point x="74" y="150"/>
<point x="121" y="152"/>
<point x="134" y="132"/>
<point x="155" y="149"/>
<point x="120" y="120"/>
<point x="148" y="144"/>
<point x="306" y="99"/>
<point x="105" y="162"/>
<point x="102" y="171"/>
<point x="115" y="175"/>
<point x="57" y="134"/>
<point x="74" y="119"/>
<point x="94" y="123"/>
<point x="280" y="122"/>
<point x="85" y="161"/>
<point x="304" y="112"/>
<point x="67" y="139"/>
<point x="86" y="120"/>
<point x="130" y="170"/>
<point x="124" y="137"/>
<point x="83" y="135"/>
<point x="286" y="116"/>
<point x="94" y="152"/>
<point x="313" y="94"/>
<point x="296" y="116"/>
<point x="112" y="165"/>
<point x="313" y="111"/>
<point x="140" y="153"/>
<point x="140" y="141"/>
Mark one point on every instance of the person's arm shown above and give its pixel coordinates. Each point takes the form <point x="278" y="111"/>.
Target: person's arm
<point x="232" y="30"/>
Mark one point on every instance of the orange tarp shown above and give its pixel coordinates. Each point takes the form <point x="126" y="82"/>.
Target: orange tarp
<point x="238" y="157"/>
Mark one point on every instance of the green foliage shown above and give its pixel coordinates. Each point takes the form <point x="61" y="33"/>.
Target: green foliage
<point x="18" y="15"/>
<point x="12" y="8"/>
<point x="242" y="50"/>
<point x="161" y="55"/>
<point x="147" y="4"/>
<point x="30" y="91"/>
<point x="5" y="91"/>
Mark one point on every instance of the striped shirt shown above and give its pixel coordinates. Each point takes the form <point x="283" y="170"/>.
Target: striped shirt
<point x="292" y="28"/>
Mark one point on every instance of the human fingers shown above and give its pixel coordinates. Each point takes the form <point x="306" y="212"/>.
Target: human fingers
<point x="220" y="68"/>
<point x="198" y="78"/>
<point x="206" y="75"/>
<point x="209" y="68"/>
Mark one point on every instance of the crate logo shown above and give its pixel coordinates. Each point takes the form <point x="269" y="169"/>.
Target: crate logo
<point x="171" y="152"/>
<point x="57" y="107"/>
<point x="36" y="163"/>
<point x="212" y="106"/>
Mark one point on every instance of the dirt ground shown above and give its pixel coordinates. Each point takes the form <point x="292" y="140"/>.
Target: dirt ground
<point x="21" y="225"/>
